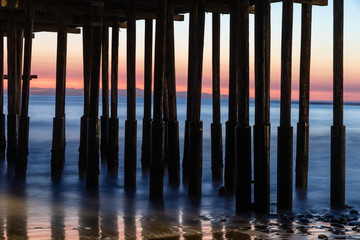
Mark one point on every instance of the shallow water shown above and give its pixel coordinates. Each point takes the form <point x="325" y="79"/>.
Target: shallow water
<point x="41" y="209"/>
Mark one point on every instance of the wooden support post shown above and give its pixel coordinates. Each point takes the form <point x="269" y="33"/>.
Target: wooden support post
<point x="165" y="117"/>
<point x="216" y="127"/>
<point x="172" y="124"/>
<point x="130" y="123"/>
<point x="19" y="56"/>
<point x="104" y="119"/>
<point x="92" y="177"/>
<point x="87" y="62"/>
<point x="58" y="140"/>
<point x="243" y="130"/>
<point x="262" y="118"/>
<point x="285" y="131"/>
<point x="338" y="129"/>
<point x="197" y="18"/>
<point x="157" y="125"/>
<point x="12" y="89"/>
<point x="230" y="169"/>
<point x="302" y="140"/>
<point x="23" y="138"/>
<point x="145" y="148"/>
<point x="113" y="156"/>
<point x="2" y="115"/>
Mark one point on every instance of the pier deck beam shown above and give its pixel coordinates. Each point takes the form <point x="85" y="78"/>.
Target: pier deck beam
<point x="243" y="130"/>
<point x="113" y="155"/>
<point x="285" y="131"/>
<point x="172" y="124"/>
<point x="92" y="177"/>
<point x="197" y="18"/>
<point x="58" y="139"/>
<point x="216" y="127"/>
<point x="130" y="123"/>
<point x="230" y="169"/>
<point x="302" y="139"/>
<point x="2" y="115"/>
<point x="157" y="125"/>
<point x="145" y="148"/>
<point x="337" y="199"/>
<point x="262" y="107"/>
<point x="104" y="119"/>
<point x="23" y="141"/>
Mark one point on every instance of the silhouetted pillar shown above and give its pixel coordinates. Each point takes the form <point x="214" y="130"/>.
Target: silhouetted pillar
<point x="216" y="127"/>
<point x="87" y="33"/>
<point x="262" y="106"/>
<point x="285" y="131"/>
<point x="92" y="177"/>
<point x="19" y="56"/>
<point x="12" y="89"/>
<point x="104" y="119"/>
<point x="113" y="156"/>
<point x="197" y="18"/>
<point x="2" y="115"/>
<point x="58" y="140"/>
<point x="145" y="148"/>
<point x="157" y="125"/>
<point x="166" y="117"/>
<point x="338" y="129"/>
<point x="243" y="130"/>
<point x="130" y="123"/>
<point x="172" y="124"/>
<point x="23" y="140"/>
<point x="230" y="169"/>
<point x="302" y="140"/>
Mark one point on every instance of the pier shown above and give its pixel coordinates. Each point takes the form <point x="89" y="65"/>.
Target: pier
<point x="160" y="146"/>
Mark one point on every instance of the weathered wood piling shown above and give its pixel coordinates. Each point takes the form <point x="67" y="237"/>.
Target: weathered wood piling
<point x="337" y="193"/>
<point x="302" y="141"/>
<point x="285" y="130"/>
<point x="23" y="138"/>
<point x="157" y="125"/>
<point x="113" y="148"/>
<point x="262" y="107"/>
<point x="243" y="129"/>
<point x="130" y="123"/>
<point x="216" y="127"/>
<point x="172" y="124"/>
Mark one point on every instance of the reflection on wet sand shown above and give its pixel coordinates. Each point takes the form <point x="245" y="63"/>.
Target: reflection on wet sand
<point x="57" y="214"/>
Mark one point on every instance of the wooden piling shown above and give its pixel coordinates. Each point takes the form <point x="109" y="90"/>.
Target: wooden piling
<point x="87" y="34"/>
<point x="172" y="124"/>
<point x="285" y="131"/>
<point x="145" y="147"/>
<point x="243" y="130"/>
<point x="2" y="115"/>
<point x="113" y="156"/>
<point x="216" y="127"/>
<point x="165" y="117"/>
<point x="92" y="177"/>
<point x="337" y="199"/>
<point x="104" y="119"/>
<point x="195" y="125"/>
<point x="230" y="169"/>
<point x="23" y="138"/>
<point x="12" y="89"/>
<point x="19" y="57"/>
<point x="130" y="123"/>
<point x="302" y="140"/>
<point x="262" y="123"/>
<point x="58" y="140"/>
<point x="157" y="125"/>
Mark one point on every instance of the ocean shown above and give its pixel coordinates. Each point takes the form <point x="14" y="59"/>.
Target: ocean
<point x="39" y="208"/>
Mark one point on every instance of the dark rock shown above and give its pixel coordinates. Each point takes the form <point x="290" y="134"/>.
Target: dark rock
<point x="322" y="236"/>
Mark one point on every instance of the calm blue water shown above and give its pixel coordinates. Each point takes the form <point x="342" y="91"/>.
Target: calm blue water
<point x="42" y="197"/>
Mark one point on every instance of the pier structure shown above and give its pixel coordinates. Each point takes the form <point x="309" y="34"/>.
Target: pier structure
<point x="160" y="133"/>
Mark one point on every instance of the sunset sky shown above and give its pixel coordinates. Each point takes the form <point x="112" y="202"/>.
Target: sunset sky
<point x="44" y="54"/>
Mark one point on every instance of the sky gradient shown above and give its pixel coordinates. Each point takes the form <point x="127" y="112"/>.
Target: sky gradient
<point x="44" y="54"/>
